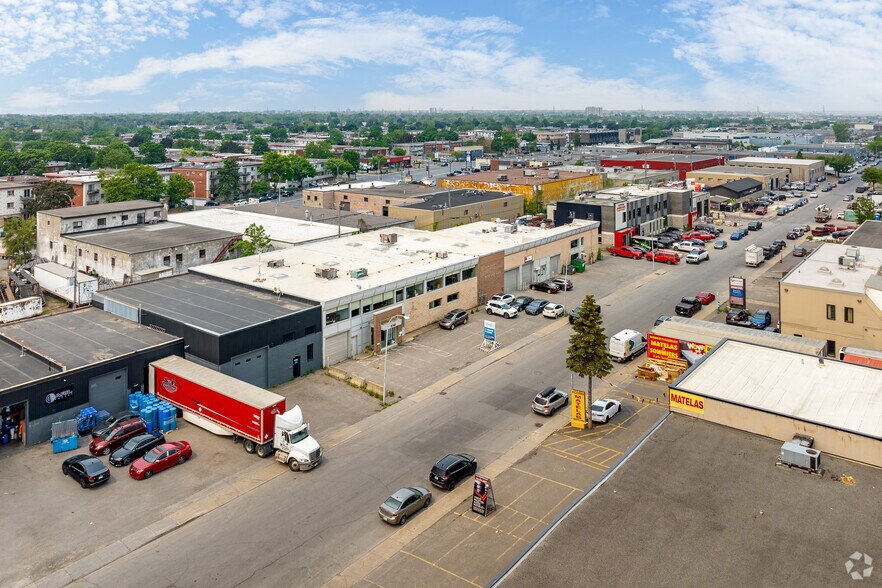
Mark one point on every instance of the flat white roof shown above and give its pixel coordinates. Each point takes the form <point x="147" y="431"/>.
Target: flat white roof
<point x="352" y="186"/>
<point x="821" y="269"/>
<point x="832" y="393"/>
<point x="779" y="160"/>
<point x="279" y="228"/>
<point x="485" y="237"/>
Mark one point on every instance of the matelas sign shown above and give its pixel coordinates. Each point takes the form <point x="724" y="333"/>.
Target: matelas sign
<point x="660" y="347"/>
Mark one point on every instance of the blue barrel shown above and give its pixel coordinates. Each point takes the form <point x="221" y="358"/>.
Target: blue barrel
<point x="4" y="438"/>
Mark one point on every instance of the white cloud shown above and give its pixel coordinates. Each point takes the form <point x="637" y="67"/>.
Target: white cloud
<point x="601" y="10"/>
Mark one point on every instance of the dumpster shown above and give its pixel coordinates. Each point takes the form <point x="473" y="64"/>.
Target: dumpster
<point x="579" y="265"/>
<point x="65" y="436"/>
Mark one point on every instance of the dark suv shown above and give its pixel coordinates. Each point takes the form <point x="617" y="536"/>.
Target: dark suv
<point x="112" y="438"/>
<point x="739" y="318"/>
<point x="451" y="469"/>
<point x="453" y="319"/>
<point x="688" y="306"/>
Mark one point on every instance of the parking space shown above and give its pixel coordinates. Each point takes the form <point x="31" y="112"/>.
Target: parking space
<point x="31" y="482"/>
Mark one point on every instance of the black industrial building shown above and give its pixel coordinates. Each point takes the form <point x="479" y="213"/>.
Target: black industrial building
<point x="55" y="365"/>
<point x="727" y="197"/>
<point x="250" y="334"/>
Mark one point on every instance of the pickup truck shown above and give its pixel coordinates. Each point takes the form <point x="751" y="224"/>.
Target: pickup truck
<point x="663" y="256"/>
<point x="822" y="231"/>
<point x="688" y="306"/>
<point x="625" y="251"/>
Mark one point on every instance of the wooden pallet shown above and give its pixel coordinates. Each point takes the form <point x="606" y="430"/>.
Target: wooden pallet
<point x="647" y="373"/>
<point x="672" y="368"/>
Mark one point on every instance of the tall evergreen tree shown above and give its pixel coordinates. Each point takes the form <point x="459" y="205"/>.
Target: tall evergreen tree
<point x="587" y="354"/>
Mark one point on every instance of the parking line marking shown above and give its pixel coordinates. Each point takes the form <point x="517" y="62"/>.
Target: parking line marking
<point x="574" y="460"/>
<point x="547" y="479"/>
<point x="460" y="542"/>
<point x="457" y="576"/>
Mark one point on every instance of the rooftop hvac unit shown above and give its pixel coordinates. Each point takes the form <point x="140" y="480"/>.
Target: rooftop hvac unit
<point x="553" y="174"/>
<point x="389" y="238"/>
<point x="440" y="255"/>
<point x="846" y="261"/>
<point x="502" y="178"/>
<point x="358" y="272"/>
<point x="323" y="271"/>
<point x="796" y="455"/>
<point x="853" y="252"/>
<point x="275" y="263"/>
<point x="510" y="228"/>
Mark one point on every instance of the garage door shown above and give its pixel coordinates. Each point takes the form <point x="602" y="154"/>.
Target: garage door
<point x="554" y="265"/>
<point x="511" y="280"/>
<point x="527" y="276"/>
<point x="110" y="392"/>
<point x="251" y="367"/>
<point x="336" y="347"/>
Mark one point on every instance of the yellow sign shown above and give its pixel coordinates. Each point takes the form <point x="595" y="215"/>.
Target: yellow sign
<point x="577" y="399"/>
<point x="686" y="401"/>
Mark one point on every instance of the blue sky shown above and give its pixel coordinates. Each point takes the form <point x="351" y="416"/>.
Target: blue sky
<point x="72" y="56"/>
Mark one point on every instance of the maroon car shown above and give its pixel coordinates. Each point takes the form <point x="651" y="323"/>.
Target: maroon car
<point x="114" y="437"/>
<point x="160" y="458"/>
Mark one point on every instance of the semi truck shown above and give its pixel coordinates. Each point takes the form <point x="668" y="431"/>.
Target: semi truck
<point x="225" y="405"/>
<point x="754" y="256"/>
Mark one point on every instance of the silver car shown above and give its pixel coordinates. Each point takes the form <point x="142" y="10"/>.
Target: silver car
<point x="404" y="503"/>
<point x="549" y="400"/>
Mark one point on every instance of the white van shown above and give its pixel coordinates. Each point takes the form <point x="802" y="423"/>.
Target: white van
<point x="624" y="345"/>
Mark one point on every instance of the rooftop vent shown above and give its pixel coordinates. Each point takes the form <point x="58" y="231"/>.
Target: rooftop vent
<point x="824" y="269"/>
<point x="353" y="244"/>
<point x="510" y="228"/>
<point x="323" y="271"/>
<point x="837" y="282"/>
<point x="389" y="238"/>
<point x="358" y="272"/>
<point x="275" y="263"/>
<point x="847" y="262"/>
<point x="440" y="255"/>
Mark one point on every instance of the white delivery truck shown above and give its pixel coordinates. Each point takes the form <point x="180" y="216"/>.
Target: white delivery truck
<point x="754" y="256"/>
<point x="625" y="345"/>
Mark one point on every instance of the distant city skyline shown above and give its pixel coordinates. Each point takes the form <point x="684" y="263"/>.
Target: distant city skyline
<point x="113" y="56"/>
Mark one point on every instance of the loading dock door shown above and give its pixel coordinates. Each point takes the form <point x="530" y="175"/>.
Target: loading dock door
<point x="527" y="276"/>
<point x="554" y="264"/>
<point x="511" y="280"/>
<point x="336" y="347"/>
<point x="110" y="392"/>
<point x="251" y="367"/>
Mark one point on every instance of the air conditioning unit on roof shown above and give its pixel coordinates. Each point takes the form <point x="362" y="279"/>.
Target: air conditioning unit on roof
<point x="357" y="273"/>
<point x="323" y="271"/>
<point x="440" y="255"/>
<point x="389" y="238"/>
<point x="275" y="263"/>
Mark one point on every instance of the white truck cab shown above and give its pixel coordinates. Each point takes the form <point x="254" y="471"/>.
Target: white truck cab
<point x="293" y="443"/>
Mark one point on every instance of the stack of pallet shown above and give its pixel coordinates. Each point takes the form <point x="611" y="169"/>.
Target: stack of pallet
<point x="671" y="368"/>
<point x="647" y="373"/>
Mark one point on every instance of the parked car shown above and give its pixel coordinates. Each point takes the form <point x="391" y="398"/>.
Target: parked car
<point x="793" y="235"/>
<point x="720" y="244"/>
<point x="739" y="318"/>
<point x="546" y="286"/>
<point x="453" y="319"/>
<point x="687" y="306"/>
<point x="521" y="302"/>
<point x="667" y="257"/>
<point x="404" y="503"/>
<point x="537" y="306"/>
<point x="87" y="470"/>
<point x="782" y="211"/>
<point x="501" y="309"/>
<point x="553" y="310"/>
<point x="696" y="256"/>
<point x="754" y="225"/>
<point x="737" y="235"/>
<point x="700" y="235"/>
<point x="113" y="438"/>
<point x="661" y="319"/>
<point x="625" y="251"/>
<point x="504" y="298"/>
<point x="563" y="283"/>
<point x="212" y="203"/>
<point x="549" y="400"/>
<point x="705" y="297"/>
<point x="112" y="421"/>
<point x="779" y="244"/>
<point x="826" y="188"/>
<point x="822" y="231"/>
<point x="686" y="246"/>
<point x="135" y="448"/>
<point x="760" y="210"/>
<point x="800" y="252"/>
<point x="160" y="458"/>
<point x="604" y="409"/>
<point x="761" y="319"/>
<point x="451" y="469"/>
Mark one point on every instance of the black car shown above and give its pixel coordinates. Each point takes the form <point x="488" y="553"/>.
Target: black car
<point x="738" y="318"/>
<point x="779" y="244"/>
<point x="112" y="421"/>
<point x="546" y="286"/>
<point x="87" y="470"/>
<point x="521" y="302"/>
<point x="688" y="306"/>
<point x="135" y="448"/>
<point x="453" y="319"/>
<point x="800" y="252"/>
<point x="451" y="469"/>
<point x="212" y="203"/>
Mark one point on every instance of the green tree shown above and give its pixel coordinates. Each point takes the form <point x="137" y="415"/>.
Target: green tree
<point x="799" y="154"/>
<point x="339" y="166"/>
<point x="335" y="137"/>
<point x="186" y="133"/>
<point x="864" y="209"/>
<point x="352" y="158"/>
<point x="528" y="136"/>
<point x="872" y="176"/>
<point x="177" y="188"/>
<point x="320" y="150"/>
<point x="230" y="147"/>
<point x="875" y="146"/>
<point x="399" y="151"/>
<point x="188" y="152"/>
<point x="587" y="355"/>
<point x="135" y="181"/>
<point x="840" y="130"/>
<point x="579" y="162"/>
<point x="83" y="158"/>
<point x="211" y="135"/>
<point x="142" y="135"/>
<point x="260" y="187"/>
<point x="47" y="196"/>
<point x="276" y="167"/>
<point x="228" y="187"/>
<point x="255" y="241"/>
<point x="114" y="156"/>
<point x="259" y="146"/>
<point x="152" y="152"/>
<point x="301" y="168"/>
<point x="377" y="161"/>
<point x="577" y="139"/>
<point x="503" y="142"/>
<point x="278" y="134"/>
<point x="20" y="237"/>
<point x="839" y="163"/>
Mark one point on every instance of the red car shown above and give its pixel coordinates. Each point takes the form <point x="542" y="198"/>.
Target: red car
<point x="701" y="235"/>
<point x="668" y="257"/>
<point x="160" y="458"/>
<point x="706" y="297"/>
<point x="761" y="210"/>
<point x="625" y="251"/>
<point x="114" y="437"/>
<point x="821" y="231"/>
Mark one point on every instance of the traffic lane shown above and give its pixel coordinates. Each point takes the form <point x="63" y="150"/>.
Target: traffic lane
<point x="302" y="529"/>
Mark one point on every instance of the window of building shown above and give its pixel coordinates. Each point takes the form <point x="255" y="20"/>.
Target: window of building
<point x="166" y="260"/>
<point x="399" y="295"/>
<point x="309" y="352"/>
<point x="10" y="205"/>
<point x="79" y="252"/>
<point x="831" y="348"/>
<point x="338" y="314"/>
<point x="345" y="196"/>
<point x="112" y="262"/>
<point x="414" y="290"/>
<point x="505" y="205"/>
<point x="157" y="214"/>
<point x="95" y="257"/>
<point x="451" y="279"/>
<point x="387" y="202"/>
<point x="468" y="273"/>
<point x="453" y="297"/>
<point x="366" y="308"/>
<point x="78" y="224"/>
<point x="102" y="222"/>
<point x="433" y="284"/>
<point x="435" y="303"/>
<point x="64" y="248"/>
<point x="288" y="337"/>
<point x="125" y="217"/>
<point x="202" y="254"/>
<point x="831" y="312"/>
<point x="849" y="314"/>
<point x="365" y="198"/>
<point x="179" y="257"/>
<point x="51" y="244"/>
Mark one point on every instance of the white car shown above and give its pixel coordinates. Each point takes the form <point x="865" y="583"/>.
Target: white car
<point x="501" y="308"/>
<point x="553" y="310"/>
<point x="813" y="194"/>
<point x="504" y="298"/>
<point x="697" y="256"/>
<point x="602" y="410"/>
<point x="683" y="246"/>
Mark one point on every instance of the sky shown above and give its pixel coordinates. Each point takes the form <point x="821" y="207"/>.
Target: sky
<point x="112" y="56"/>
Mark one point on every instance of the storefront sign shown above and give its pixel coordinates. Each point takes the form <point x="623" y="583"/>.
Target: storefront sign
<point x="577" y="401"/>
<point x="482" y="496"/>
<point x="528" y="258"/>
<point x="686" y="401"/>
<point x="59" y="395"/>
<point x="660" y="347"/>
<point x="737" y="292"/>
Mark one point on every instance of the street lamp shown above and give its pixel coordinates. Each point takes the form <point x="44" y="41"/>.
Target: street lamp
<point x="392" y="323"/>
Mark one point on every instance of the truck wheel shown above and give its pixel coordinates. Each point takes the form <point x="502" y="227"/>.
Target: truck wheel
<point x="293" y="465"/>
<point x="264" y="450"/>
<point x="249" y="445"/>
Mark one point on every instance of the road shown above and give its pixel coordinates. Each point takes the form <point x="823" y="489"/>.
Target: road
<point x="301" y="529"/>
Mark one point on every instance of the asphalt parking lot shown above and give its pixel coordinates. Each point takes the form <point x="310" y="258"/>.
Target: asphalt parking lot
<point x="122" y="513"/>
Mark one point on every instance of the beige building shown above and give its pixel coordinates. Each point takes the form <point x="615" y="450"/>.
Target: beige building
<point x="709" y="177"/>
<point x="798" y="170"/>
<point x="459" y="207"/>
<point x="540" y="185"/>
<point x="835" y="295"/>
